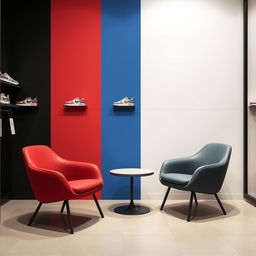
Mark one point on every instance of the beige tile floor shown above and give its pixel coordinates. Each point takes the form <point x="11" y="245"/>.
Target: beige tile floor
<point x="157" y="233"/>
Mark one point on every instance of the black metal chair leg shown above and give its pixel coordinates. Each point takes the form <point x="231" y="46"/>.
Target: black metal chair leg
<point x="195" y="198"/>
<point x="165" y="198"/>
<point x="220" y="204"/>
<point x="35" y="213"/>
<point x="63" y="206"/>
<point x="190" y="206"/>
<point x="98" y="206"/>
<point x="70" y="224"/>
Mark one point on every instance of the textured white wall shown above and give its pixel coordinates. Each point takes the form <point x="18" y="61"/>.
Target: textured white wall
<point x="191" y="85"/>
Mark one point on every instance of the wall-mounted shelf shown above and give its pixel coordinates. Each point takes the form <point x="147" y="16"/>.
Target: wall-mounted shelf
<point x="8" y="108"/>
<point x="13" y="106"/>
<point x="26" y="106"/>
<point x="5" y="106"/>
<point x="5" y="83"/>
<point x="123" y="108"/>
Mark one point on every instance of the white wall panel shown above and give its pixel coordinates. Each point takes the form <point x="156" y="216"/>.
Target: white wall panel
<point x="191" y="84"/>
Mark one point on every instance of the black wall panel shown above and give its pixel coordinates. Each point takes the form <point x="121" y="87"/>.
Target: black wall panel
<point x="26" y="57"/>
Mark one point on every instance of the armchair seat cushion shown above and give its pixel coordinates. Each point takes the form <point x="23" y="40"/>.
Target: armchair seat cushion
<point x="176" y="178"/>
<point x="84" y="185"/>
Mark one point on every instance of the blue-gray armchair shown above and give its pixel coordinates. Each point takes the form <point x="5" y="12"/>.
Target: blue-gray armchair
<point x="203" y="172"/>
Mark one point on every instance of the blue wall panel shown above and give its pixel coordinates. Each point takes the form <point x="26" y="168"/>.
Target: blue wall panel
<point x="120" y="78"/>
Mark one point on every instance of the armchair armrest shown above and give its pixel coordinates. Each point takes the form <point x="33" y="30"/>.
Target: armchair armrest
<point x="80" y="170"/>
<point x="185" y="165"/>
<point x="49" y="185"/>
<point x="208" y="178"/>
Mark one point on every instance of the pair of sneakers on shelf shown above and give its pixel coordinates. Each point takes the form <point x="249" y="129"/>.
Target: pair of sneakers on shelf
<point x="76" y="102"/>
<point x="5" y="99"/>
<point x="6" y="78"/>
<point x="125" y="102"/>
<point x="80" y="102"/>
<point x="28" y="102"/>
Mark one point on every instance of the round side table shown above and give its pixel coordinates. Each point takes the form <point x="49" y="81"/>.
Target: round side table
<point x="131" y="209"/>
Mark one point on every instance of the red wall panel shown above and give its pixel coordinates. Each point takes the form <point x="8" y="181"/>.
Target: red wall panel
<point x="75" y="72"/>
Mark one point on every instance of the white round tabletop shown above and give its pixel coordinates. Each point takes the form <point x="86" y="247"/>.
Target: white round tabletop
<point x="132" y="172"/>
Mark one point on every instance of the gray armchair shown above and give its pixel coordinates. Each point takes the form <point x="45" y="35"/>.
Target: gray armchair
<point x="203" y="172"/>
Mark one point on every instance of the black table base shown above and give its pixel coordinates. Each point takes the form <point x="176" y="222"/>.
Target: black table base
<point x="131" y="209"/>
<point x="137" y="210"/>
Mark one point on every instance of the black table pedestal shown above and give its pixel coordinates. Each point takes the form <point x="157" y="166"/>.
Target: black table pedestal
<point x="131" y="209"/>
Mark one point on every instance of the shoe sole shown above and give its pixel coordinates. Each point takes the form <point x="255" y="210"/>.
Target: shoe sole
<point x="8" y="81"/>
<point x="124" y="105"/>
<point x="75" y="105"/>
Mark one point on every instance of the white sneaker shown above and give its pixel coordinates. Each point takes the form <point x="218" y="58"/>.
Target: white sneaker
<point x="76" y="102"/>
<point x="252" y="103"/>
<point x="27" y="102"/>
<point x="6" y="78"/>
<point x="126" y="102"/>
<point x="4" y="99"/>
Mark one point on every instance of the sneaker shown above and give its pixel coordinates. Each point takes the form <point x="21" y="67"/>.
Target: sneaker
<point x="125" y="102"/>
<point x="6" y="78"/>
<point x="4" y="99"/>
<point x="76" y="102"/>
<point x="27" y="102"/>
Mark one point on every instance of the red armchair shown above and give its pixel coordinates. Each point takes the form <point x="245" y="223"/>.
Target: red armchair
<point x="56" y="179"/>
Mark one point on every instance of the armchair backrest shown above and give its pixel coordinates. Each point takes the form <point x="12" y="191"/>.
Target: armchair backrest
<point x="214" y="153"/>
<point x="42" y="157"/>
<point x="42" y="165"/>
<point x="213" y="160"/>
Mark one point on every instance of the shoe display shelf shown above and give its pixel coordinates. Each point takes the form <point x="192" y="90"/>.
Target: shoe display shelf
<point x="14" y="106"/>
<point x="8" y="106"/>
<point x="5" y="83"/>
<point x="123" y="108"/>
<point x="24" y="107"/>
